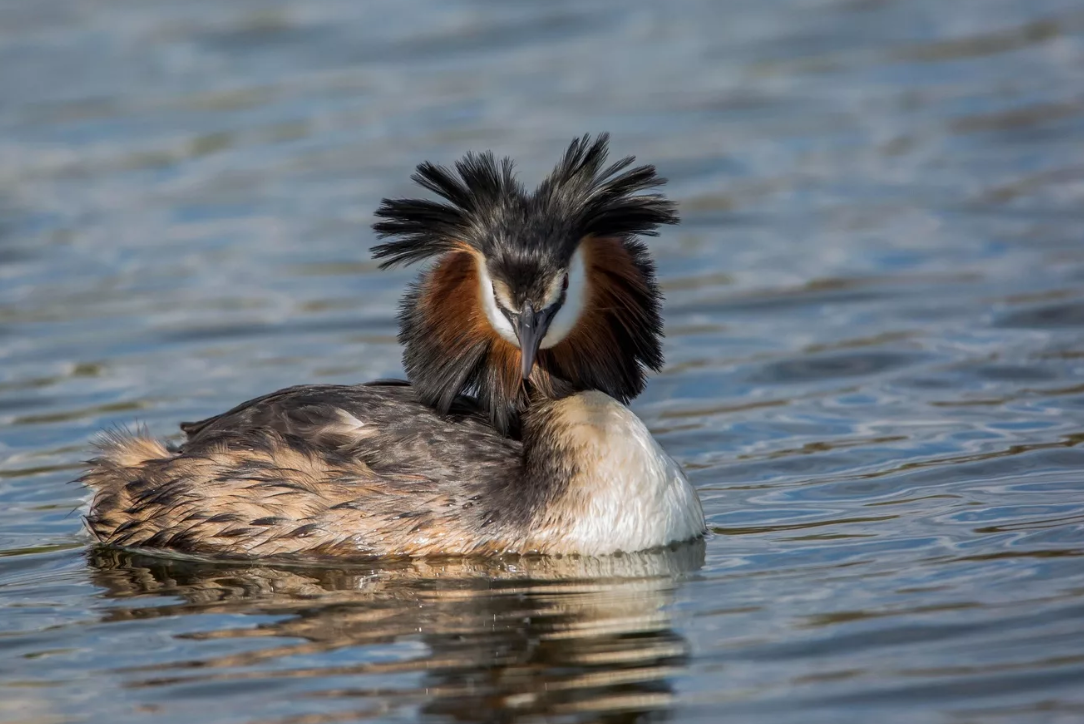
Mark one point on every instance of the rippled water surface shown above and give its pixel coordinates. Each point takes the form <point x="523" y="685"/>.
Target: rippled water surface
<point x="875" y="340"/>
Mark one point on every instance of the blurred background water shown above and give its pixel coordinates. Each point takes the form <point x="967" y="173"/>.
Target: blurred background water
<point x="875" y="319"/>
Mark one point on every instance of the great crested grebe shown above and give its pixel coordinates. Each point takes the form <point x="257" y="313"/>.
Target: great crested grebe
<point x="522" y="342"/>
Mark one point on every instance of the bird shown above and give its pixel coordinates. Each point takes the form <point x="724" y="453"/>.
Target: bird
<point x="524" y="339"/>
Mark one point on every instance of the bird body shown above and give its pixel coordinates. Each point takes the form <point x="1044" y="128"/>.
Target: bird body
<point x="368" y="471"/>
<point x="523" y="341"/>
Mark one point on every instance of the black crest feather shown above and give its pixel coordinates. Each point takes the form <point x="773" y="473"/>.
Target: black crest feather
<point x="608" y="199"/>
<point x="484" y="204"/>
<point x="421" y="228"/>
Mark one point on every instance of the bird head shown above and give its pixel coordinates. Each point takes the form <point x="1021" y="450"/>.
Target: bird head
<point x="546" y="293"/>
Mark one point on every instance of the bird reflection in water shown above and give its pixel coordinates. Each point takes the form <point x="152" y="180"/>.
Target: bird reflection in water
<point x="583" y="639"/>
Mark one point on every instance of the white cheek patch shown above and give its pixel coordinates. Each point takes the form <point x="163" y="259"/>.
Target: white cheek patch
<point x="575" y="300"/>
<point x="502" y="295"/>
<point x="496" y="318"/>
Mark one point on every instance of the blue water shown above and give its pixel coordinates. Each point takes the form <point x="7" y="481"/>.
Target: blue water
<point x="875" y="345"/>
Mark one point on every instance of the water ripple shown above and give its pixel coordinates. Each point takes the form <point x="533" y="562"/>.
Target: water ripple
<point x="875" y="337"/>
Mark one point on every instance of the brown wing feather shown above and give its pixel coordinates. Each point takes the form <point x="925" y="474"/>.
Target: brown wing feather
<point x="271" y="498"/>
<point x="310" y="470"/>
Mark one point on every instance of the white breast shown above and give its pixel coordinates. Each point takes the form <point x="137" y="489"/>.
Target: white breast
<point x="628" y="495"/>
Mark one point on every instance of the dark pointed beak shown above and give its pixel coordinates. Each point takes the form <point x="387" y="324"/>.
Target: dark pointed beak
<point x="531" y="327"/>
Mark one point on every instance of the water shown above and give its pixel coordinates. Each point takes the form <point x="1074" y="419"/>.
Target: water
<point x="875" y="350"/>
